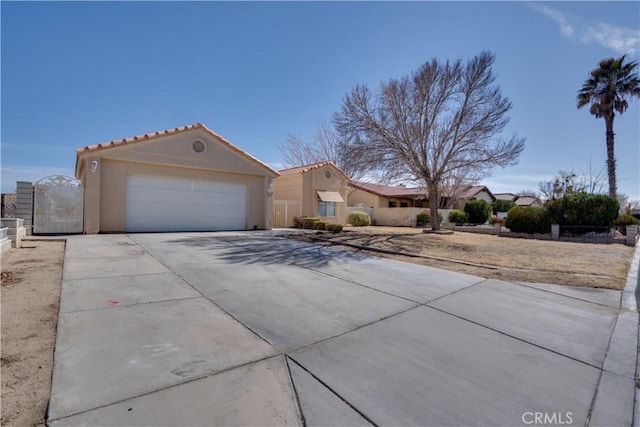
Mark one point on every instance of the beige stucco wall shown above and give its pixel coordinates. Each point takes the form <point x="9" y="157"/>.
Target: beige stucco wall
<point x="359" y="196"/>
<point x="304" y="187"/>
<point x="171" y="156"/>
<point x="317" y="180"/>
<point x="374" y="201"/>
<point x="396" y="217"/>
<point x="288" y="187"/>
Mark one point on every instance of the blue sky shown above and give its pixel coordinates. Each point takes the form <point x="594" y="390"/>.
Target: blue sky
<point x="80" y="73"/>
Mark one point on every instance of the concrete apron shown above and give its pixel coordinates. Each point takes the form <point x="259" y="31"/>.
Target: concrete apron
<point x="252" y="329"/>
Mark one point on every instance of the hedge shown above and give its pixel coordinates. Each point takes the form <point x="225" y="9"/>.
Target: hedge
<point x="458" y="217"/>
<point x="503" y="205"/>
<point x="524" y="219"/>
<point x="359" y="219"/>
<point x="424" y="218"/>
<point x="624" y="220"/>
<point x="479" y="211"/>
<point x="583" y="209"/>
<point x="334" y="228"/>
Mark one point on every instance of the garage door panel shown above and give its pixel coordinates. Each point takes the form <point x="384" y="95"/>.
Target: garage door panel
<point x="168" y="204"/>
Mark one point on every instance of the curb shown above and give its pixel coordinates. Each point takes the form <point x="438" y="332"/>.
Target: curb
<point x="629" y="301"/>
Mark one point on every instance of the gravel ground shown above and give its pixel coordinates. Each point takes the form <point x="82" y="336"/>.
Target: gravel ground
<point x="31" y="280"/>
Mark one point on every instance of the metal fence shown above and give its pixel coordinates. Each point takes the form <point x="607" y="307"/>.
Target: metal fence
<point x="8" y="205"/>
<point x="590" y="234"/>
<point x="58" y="206"/>
<point x="284" y="211"/>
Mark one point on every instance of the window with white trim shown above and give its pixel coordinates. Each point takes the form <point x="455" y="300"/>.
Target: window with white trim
<point x="326" y="208"/>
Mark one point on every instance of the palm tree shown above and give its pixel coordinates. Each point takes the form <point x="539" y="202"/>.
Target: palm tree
<point x="607" y="91"/>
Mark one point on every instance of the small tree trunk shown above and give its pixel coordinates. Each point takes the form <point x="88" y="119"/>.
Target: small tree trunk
<point x="433" y="206"/>
<point x="611" y="158"/>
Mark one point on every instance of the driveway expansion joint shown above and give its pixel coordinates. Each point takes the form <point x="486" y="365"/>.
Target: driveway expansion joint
<point x="513" y="337"/>
<point x="335" y="393"/>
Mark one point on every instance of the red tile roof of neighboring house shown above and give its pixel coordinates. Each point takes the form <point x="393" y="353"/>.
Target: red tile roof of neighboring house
<point x="526" y="201"/>
<point x="168" y="132"/>
<point x="309" y="167"/>
<point x="392" y="191"/>
<point x="505" y="196"/>
<point x="473" y="191"/>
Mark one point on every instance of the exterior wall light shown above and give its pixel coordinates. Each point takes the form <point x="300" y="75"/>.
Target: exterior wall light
<point x="94" y="165"/>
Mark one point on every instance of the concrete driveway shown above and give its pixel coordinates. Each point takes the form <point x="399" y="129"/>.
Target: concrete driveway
<point x="254" y="329"/>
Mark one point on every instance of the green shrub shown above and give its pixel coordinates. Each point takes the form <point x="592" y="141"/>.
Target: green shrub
<point x="359" y="219"/>
<point x="583" y="209"/>
<point x="424" y="218"/>
<point x="319" y="225"/>
<point x="309" y="221"/>
<point x="297" y="222"/>
<point x="478" y="211"/>
<point x="458" y="217"/>
<point x="502" y="205"/>
<point x="524" y="219"/>
<point x="334" y="228"/>
<point x="624" y="220"/>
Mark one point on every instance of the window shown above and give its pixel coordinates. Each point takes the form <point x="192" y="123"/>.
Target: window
<point x="392" y="204"/>
<point x="326" y="208"/>
<point x="404" y="204"/>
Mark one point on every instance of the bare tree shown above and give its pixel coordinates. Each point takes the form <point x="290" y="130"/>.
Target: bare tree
<point x="563" y="184"/>
<point x="528" y="193"/>
<point x="327" y="144"/>
<point x="441" y="121"/>
<point x="594" y="179"/>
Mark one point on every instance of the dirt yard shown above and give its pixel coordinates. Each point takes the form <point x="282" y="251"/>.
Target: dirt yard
<point x="31" y="279"/>
<point x="503" y="258"/>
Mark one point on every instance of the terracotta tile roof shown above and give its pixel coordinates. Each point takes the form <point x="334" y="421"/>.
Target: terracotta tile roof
<point x="167" y="132"/>
<point x="526" y="201"/>
<point x="414" y="192"/>
<point x="392" y="191"/>
<point x="473" y="191"/>
<point x="505" y="196"/>
<point x="309" y="167"/>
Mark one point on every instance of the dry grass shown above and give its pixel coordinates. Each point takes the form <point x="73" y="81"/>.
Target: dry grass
<point x="564" y="263"/>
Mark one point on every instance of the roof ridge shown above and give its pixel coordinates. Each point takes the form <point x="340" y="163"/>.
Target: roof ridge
<point x="167" y="132"/>
<point x="309" y="165"/>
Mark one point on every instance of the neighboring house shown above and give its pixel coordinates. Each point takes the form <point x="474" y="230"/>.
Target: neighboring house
<point x="528" y="201"/>
<point x="319" y="189"/>
<point x="519" y="200"/>
<point x="386" y="196"/>
<point x="505" y="196"/>
<point x="475" y="192"/>
<point x="182" y="179"/>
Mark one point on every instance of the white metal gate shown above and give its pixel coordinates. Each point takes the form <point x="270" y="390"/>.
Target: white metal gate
<point x="284" y="211"/>
<point x="58" y="206"/>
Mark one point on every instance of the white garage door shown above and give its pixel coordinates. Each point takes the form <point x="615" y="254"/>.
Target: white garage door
<point x="171" y="204"/>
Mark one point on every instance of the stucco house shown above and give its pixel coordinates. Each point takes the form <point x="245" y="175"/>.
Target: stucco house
<point x="318" y="189"/>
<point x="182" y="179"/>
<point x="528" y="201"/>
<point x="520" y="200"/>
<point x="386" y="196"/>
<point x="505" y="196"/>
<point x="474" y="192"/>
